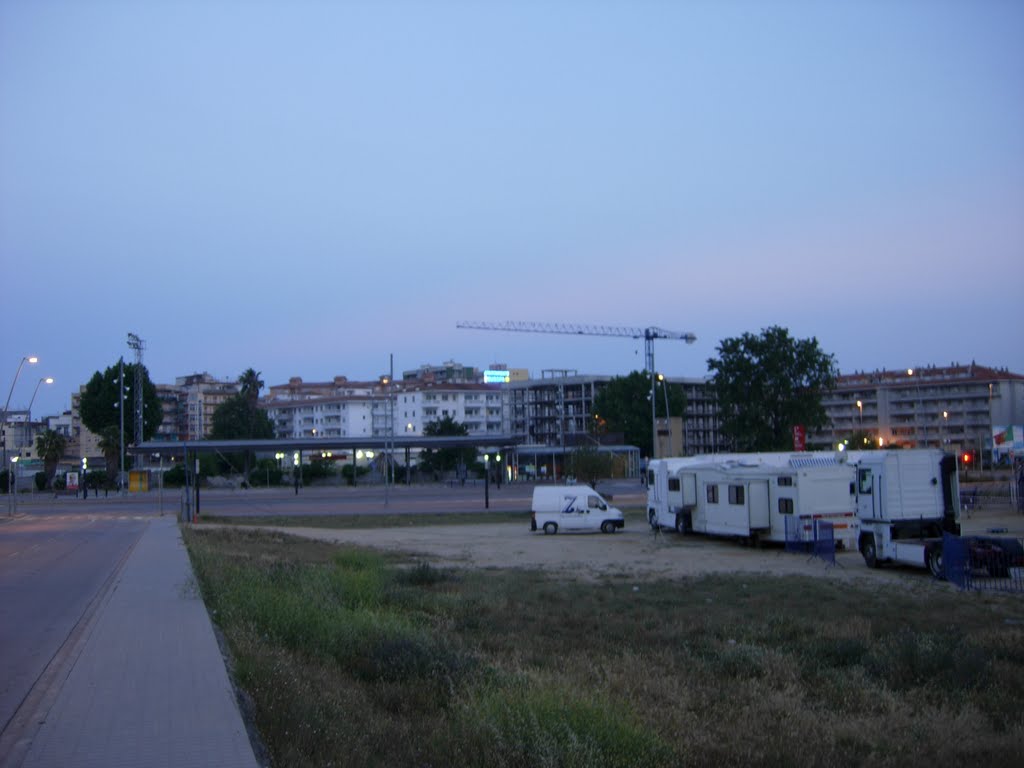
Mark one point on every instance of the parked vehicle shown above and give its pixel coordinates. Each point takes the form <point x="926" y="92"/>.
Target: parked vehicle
<point x="573" y="508"/>
<point x="906" y="500"/>
<point x="753" y="496"/>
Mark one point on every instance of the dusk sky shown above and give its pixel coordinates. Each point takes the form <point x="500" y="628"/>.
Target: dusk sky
<point x="306" y="187"/>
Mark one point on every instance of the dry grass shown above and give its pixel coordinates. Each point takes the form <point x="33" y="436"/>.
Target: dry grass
<point x="358" y="659"/>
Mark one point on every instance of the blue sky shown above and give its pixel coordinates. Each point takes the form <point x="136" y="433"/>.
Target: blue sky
<point x="306" y="187"/>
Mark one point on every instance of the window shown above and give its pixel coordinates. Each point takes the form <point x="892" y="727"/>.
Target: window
<point x="864" y="481"/>
<point x="735" y="494"/>
<point x="594" y="502"/>
<point x="673" y="484"/>
<point x="785" y="480"/>
<point x="650" y="478"/>
<point x="785" y="506"/>
<point x="712" y="494"/>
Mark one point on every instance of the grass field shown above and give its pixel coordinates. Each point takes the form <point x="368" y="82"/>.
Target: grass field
<point x="354" y="658"/>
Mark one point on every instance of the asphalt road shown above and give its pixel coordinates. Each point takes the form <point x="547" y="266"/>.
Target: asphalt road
<point x="52" y="568"/>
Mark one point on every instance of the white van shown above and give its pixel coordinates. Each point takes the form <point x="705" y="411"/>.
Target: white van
<point x="573" y="508"/>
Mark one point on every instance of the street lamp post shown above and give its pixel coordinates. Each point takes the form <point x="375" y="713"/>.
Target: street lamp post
<point x="668" y="422"/>
<point x="12" y="486"/>
<point x="47" y="380"/>
<point x="31" y="361"/>
<point x="487" y="481"/>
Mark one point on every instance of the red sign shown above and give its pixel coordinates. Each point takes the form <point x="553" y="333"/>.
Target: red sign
<point x="799" y="438"/>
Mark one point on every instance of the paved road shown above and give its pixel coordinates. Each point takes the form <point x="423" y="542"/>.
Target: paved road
<point x="51" y="569"/>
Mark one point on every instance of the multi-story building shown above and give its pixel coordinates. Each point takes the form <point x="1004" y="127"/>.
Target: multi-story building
<point x="199" y="395"/>
<point x="344" y="408"/>
<point x="954" y="407"/>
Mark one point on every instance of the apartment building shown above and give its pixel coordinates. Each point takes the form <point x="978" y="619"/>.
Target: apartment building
<point x="954" y="407"/>
<point x="343" y="408"/>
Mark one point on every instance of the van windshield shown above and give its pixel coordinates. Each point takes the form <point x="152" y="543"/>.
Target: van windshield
<point x="595" y="502"/>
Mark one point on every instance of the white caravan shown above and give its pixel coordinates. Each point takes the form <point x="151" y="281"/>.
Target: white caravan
<point x="573" y="508"/>
<point x="753" y="495"/>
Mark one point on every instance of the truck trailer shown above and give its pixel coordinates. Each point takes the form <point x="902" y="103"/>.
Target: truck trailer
<point x="754" y="496"/>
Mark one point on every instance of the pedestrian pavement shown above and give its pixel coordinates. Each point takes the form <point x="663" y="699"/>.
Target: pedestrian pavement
<point x="148" y="686"/>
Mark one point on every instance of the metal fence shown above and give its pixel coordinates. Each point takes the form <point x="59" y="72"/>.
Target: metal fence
<point x="991" y="563"/>
<point x="813" y="537"/>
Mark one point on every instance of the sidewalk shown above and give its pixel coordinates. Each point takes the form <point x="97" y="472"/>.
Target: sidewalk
<point x="149" y="687"/>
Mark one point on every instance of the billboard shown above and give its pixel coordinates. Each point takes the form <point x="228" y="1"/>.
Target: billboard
<point x="1008" y="440"/>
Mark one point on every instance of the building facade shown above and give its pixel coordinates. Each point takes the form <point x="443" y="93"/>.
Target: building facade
<point x="954" y="407"/>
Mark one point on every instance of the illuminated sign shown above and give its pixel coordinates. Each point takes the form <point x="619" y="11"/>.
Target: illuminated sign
<point x="496" y="377"/>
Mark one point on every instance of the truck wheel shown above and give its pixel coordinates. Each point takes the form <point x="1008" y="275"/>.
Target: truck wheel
<point x="550" y="528"/>
<point x="607" y="527"/>
<point x="934" y="559"/>
<point x="867" y="549"/>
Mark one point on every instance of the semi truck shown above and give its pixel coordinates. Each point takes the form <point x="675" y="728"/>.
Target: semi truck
<point x="754" y="496"/>
<point x="905" y="500"/>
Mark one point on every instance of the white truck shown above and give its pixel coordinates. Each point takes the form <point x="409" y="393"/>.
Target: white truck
<point x="573" y="508"/>
<point x="752" y="496"/>
<point x="906" y="500"/>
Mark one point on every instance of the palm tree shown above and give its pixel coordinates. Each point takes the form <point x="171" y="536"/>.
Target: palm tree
<point x="251" y="386"/>
<point x="50" y="447"/>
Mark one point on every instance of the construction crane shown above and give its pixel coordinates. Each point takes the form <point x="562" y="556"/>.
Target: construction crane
<point x="647" y="334"/>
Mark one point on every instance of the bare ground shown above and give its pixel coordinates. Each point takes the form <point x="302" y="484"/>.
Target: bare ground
<point x="635" y="553"/>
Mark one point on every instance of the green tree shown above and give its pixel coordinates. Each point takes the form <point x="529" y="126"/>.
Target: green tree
<point x="99" y="403"/>
<point x="589" y="464"/>
<point x="624" y="405"/>
<point x="446" y="459"/>
<point x="240" y="418"/>
<point x="237" y="419"/>
<point x="50" y="446"/>
<point x="768" y="384"/>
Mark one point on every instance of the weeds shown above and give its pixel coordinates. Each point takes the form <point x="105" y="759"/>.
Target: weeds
<point x="356" y="658"/>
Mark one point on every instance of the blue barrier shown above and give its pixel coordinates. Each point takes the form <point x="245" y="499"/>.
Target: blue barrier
<point x="817" y="539"/>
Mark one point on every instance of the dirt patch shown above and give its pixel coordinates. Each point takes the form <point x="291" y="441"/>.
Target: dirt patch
<point x="632" y="554"/>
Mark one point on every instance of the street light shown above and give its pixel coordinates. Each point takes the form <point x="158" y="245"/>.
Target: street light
<point x="668" y="422"/>
<point x="31" y="361"/>
<point x="860" y="407"/>
<point x="47" y="380"/>
<point x="12" y="486"/>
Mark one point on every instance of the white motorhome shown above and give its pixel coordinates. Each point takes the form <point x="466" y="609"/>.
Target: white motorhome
<point x="906" y="500"/>
<point x="573" y="508"/>
<point x="753" y="495"/>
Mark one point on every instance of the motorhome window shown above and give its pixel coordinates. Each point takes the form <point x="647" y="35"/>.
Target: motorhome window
<point x="673" y="484"/>
<point x="594" y="502"/>
<point x="864" y="481"/>
<point x="785" y="506"/>
<point x="735" y="494"/>
<point x="712" y="494"/>
<point x="786" y="480"/>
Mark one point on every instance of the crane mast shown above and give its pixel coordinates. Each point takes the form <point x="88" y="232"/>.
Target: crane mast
<point x="648" y="334"/>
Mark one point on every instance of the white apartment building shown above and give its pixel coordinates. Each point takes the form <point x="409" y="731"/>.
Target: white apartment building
<point x="344" y="408"/>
